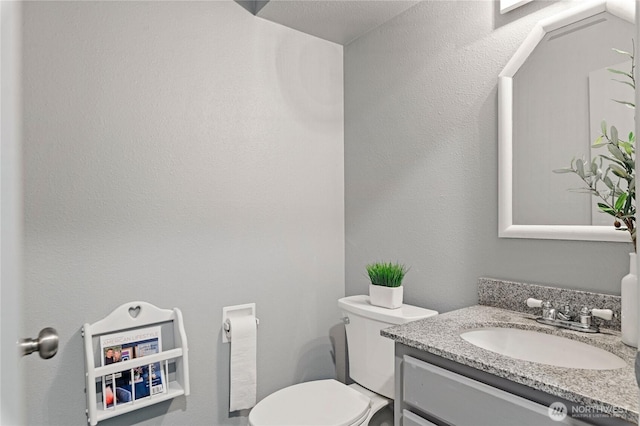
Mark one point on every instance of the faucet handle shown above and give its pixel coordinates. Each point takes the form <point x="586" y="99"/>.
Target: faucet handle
<point x="586" y="314"/>
<point x="548" y="311"/>
<point x="534" y="303"/>
<point x="605" y="314"/>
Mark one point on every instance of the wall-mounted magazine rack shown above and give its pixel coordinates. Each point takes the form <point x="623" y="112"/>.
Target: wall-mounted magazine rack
<point x="167" y="362"/>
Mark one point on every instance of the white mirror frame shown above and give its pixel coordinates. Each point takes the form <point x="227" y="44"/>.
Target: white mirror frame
<point x="509" y="5"/>
<point x="623" y="9"/>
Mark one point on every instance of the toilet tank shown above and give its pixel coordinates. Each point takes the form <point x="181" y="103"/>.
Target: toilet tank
<point x="371" y="356"/>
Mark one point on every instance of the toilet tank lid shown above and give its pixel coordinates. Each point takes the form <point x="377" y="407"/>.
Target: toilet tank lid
<point x="360" y="305"/>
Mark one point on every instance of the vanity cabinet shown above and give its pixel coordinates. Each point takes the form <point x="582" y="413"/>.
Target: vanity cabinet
<point x="431" y="390"/>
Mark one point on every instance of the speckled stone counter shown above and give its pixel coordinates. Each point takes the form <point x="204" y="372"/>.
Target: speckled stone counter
<point x="614" y="390"/>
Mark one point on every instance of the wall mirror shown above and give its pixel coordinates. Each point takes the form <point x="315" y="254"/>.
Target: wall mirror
<point x="553" y="94"/>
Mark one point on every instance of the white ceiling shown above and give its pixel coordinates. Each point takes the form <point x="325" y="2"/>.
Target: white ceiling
<point x="339" y="21"/>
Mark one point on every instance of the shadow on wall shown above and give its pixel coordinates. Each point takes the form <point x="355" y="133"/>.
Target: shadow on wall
<point x="338" y="338"/>
<point x="313" y="360"/>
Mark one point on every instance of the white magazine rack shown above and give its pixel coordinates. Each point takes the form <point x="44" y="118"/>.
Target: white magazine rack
<point x="173" y="357"/>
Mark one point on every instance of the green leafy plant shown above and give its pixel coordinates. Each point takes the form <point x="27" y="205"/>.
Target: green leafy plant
<point x="611" y="176"/>
<point x="386" y="274"/>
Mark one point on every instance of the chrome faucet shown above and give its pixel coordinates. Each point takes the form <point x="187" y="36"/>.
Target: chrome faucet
<point x="565" y="314"/>
<point x="548" y="311"/>
<point x="566" y="319"/>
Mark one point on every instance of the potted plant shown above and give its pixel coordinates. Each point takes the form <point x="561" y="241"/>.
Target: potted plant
<point x="386" y="289"/>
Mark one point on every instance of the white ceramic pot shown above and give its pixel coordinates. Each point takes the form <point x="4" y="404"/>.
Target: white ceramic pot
<point x="629" y="296"/>
<point x="385" y="297"/>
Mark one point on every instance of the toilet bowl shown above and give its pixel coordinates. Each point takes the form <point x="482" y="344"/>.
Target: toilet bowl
<point x="371" y="363"/>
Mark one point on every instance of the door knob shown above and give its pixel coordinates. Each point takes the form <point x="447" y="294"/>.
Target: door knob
<point x="46" y="344"/>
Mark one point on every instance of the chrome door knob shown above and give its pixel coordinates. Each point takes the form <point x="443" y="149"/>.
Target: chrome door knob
<point x="46" y="344"/>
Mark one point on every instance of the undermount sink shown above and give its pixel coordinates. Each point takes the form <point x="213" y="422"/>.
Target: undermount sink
<point x="543" y="348"/>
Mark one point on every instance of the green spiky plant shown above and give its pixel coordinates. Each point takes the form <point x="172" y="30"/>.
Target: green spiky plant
<point x="611" y="177"/>
<point x="386" y="274"/>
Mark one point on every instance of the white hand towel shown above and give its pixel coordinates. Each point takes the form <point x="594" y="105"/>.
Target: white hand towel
<point x="242" y="383"/>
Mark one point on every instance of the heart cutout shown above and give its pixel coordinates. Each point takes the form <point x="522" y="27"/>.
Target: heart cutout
<point x="134" y="311"/>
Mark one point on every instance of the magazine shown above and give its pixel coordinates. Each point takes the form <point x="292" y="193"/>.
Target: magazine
<point x="127" y="386"/>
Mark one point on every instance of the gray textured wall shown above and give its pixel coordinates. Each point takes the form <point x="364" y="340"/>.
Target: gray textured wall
<point x="421" y="159"/>
<point x="190" y="155"/>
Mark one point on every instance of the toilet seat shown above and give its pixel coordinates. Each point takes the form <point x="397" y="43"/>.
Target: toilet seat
<point x="316" y="403"/>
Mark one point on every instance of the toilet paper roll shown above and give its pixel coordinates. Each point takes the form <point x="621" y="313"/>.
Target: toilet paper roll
<point x="242" y="372"/>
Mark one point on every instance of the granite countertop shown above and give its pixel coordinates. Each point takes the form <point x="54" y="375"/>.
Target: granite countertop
<point x="614" y="390"/>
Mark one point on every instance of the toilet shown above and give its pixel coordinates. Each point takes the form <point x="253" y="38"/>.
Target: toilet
<point x="371" y="366"/>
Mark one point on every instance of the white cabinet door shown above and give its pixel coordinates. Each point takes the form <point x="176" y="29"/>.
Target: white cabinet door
<point x="461" y="401"/>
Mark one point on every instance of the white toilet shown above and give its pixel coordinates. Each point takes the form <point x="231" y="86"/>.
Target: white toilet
<point x="371" y="365"/>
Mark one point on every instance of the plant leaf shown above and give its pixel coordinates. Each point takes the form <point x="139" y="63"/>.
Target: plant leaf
<point x="622" y="52"/>
<point x="620" y="72"/>
<point x="618" y="171"/>
<point x="628" y="104"/>
<point x="607" y="181"/>
<point x="628" y="147"/>
<point x="620" y="201"/>
<point x="613" y="160"/>
<point x="584" y="190"/>
<point x="614" y="134"/>
<point x="615" y="151"/>
<point x="625" y="82"/>
<point x="598" y="142"/>
<point x="606" y="209"/>
<point x="580" y="168"/>
<point x="627" y="204"/>
<point x="565" y="170"/>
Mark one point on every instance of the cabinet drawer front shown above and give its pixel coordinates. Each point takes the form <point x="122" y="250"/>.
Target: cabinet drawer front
<point x="410" y="419"/>
<point x="462" y="401"/>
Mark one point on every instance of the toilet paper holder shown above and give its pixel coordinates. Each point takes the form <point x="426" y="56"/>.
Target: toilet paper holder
<point x="236" y="311"/>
